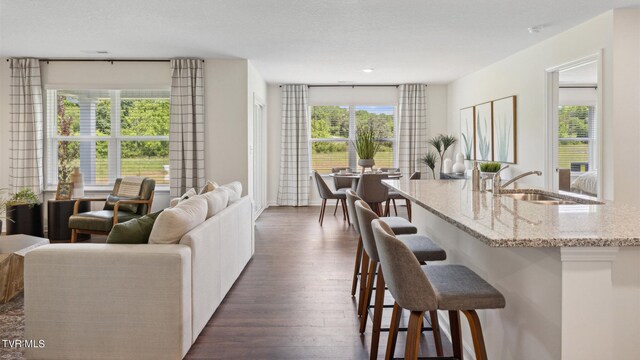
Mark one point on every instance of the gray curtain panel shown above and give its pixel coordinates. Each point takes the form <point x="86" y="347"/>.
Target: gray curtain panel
<point x="186" y="130"/>
<point x="26" y="128"/>
<point x="293" y="189"/>
<point x="412" y="127"/>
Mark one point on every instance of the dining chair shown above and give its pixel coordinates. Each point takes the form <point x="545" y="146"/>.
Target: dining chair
<point x="419" y="288"/>
<point x="394" y="195"/>
<point x="340" y="183"/>
<point x="372" y="191"/>
<point x="415" y="176"/>
<point x="327" y="194"/>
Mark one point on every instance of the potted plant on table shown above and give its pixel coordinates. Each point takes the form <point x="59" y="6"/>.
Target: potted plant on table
<point x="488" y="169"/>
<point x="24" y="212"/>
<point x="366" y="145"/>
<point x="430" y="160"/>
<point x="442" y="143"/>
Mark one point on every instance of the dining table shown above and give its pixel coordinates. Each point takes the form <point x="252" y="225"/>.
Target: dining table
<point x="355" y="176"/>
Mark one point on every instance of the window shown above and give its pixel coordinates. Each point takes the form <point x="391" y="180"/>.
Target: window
<point x="333" y="127"/>
<point x="576" y="138"/>
<point x="108" y="134"/>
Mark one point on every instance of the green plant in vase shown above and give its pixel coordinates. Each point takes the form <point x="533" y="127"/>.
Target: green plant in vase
<point x="430" y="160"/>
<point x="25" y="196"/>
<point x="442" y="143"/>
<point x="366" y="144"/>
<point x="490" y="167"/>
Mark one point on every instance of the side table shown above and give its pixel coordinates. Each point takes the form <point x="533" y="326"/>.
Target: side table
<point x="58" y="214"/>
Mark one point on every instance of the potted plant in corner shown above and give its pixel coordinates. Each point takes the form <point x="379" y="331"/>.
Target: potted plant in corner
<point x="366" y="145"/>
<point x="24" y="212"/>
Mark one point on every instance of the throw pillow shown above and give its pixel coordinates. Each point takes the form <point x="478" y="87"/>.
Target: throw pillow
<point x="234" y="189"/>
<point x="113" y="199"/>
<point x="217" y="201"/>
<point x="209" y="186"/>
<point x="174" y="222"/>
<point x="189" y="194"/>
<point x="134" y="231"/>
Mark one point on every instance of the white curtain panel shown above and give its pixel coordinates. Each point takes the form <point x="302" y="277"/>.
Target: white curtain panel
<point x="412" y="127"/>
<point x="186" y="130"/>
<point x="26" y="128"/>
<point x="293" y="189"/>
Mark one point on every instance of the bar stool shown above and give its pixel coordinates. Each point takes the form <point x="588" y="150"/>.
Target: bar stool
<point x="422" y="248"/>
<point x="427" y="288"/>
<point x="340" y="183"/>
<point x="327" y="194"/>
<point x="398" y="224"/>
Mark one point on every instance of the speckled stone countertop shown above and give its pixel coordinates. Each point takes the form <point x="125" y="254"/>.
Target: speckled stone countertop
<point x="505" y="222"/>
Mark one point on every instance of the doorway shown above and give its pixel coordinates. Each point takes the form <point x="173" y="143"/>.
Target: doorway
<point x="575" y="124"/>
<point x="259" y="157"/>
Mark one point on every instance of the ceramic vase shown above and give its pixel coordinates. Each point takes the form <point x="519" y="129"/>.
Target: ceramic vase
<point x="446" y="166"/>
<point x="77" y="178"/>
<point x="458" y="167"/>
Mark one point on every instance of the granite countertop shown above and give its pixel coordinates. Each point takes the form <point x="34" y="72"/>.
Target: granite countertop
<point x="505" y="222"/>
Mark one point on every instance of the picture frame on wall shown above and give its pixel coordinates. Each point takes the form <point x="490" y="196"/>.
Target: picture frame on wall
<point x="483" y="132"/>
<point x="467" y="133"/>
<point x="504" y="129"/>
<point x="63" y="192"/>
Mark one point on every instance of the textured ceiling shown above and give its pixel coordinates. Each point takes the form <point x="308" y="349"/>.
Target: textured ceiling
<point x="308" y="41"/>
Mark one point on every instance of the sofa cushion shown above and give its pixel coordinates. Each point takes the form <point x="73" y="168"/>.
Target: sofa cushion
<point x="209" y="186"/>
<point x="174" y="222"/>
<point x="234" y="189"/>
<point x="98" y="220"/>
<point x="217" y="201"/>
<point x="135" y="231"/>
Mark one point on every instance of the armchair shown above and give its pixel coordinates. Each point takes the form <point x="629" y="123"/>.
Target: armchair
<point x="116" y="209"/>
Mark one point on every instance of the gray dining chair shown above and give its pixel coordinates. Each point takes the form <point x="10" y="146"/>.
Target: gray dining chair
<point x="340" y="183"/>
<point x="418" y="288"/>
<point x="371" y="190"/>
<point x="415" y="176"/>
<point x="394" y="195"/>
<point x="327" y="194"/>
<point x="422" y="249"/>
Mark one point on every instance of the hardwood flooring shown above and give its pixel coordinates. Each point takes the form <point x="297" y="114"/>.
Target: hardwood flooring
<point x="293" y="300"/>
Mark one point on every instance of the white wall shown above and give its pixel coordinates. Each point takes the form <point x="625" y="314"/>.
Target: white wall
<point x="257" y="91"/>
<point x="436" y="107"/>
<point x="523" y="74"/>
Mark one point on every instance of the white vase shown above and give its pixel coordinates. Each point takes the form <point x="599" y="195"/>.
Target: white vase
<point x="77" y="178"/>
<point x="446" y="166"/>
<point x="458" y="167"/>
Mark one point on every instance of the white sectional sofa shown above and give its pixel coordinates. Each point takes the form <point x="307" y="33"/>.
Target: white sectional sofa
<point x="113" y="301"/>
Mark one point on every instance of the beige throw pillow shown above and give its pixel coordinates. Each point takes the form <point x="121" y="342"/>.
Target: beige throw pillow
<point x="217" y="201"/>
<point x="173" y="223"/>
<point x="234" y="189"/>
<point x="209" y="186"/>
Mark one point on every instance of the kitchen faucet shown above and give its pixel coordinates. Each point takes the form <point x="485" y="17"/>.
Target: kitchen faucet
<point x="497" y="180"/>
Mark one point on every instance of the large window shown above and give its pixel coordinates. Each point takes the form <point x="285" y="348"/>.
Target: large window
<point x="333" y="127"/>
<point x="576" y="137"/>
<point x="108" y="134"/>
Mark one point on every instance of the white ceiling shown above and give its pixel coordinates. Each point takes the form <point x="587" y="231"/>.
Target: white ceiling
<point x="297" y="41"/>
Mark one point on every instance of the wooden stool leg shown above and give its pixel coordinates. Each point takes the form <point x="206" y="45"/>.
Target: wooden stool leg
<point x="476" y="334"/>
<point x="395" y="209"/>
<point x="336" y="209"/>
<point x="409" y="209"/>
<point x="345" y="213"/>
<point x="456" y="335"/>
<point x="324" y="206"/>
<point x="356" y="268"/>
<point x="364" y="267"/>
<point x="435" y="325"/>
<point x="393" y="331"/>
<point x="413" y="335"/>
<point x="367" y="296"/>
<point x="377" y="314"/>
<point x="386" y="207"/>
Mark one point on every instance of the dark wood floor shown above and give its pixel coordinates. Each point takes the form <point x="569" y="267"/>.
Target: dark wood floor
<point x="293" y="299"/>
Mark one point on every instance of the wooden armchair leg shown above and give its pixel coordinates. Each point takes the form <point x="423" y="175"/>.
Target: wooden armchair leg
<point x="74" y="235"/>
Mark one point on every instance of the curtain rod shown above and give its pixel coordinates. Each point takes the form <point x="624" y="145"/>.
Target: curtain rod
<point x="108" y="60"/>
<point x="352" y="86"/>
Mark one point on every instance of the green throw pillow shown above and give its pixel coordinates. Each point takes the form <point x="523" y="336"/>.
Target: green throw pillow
<point x="135" y="231"/>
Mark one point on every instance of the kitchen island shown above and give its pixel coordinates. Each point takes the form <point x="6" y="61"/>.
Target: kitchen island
<point x="570" y="273"/>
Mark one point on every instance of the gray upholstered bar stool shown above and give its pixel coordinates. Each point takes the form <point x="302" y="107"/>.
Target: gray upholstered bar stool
<point x="427" y="288"/>
<point x="340" y="183"/>
<point x="399" y="225"/>
<point x="423" y="250"/>
<point x="371" y="190"/>
<point x="327" y="194"/>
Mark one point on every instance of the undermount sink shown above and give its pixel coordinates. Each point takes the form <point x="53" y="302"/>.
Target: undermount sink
<point x="540" y="199"/>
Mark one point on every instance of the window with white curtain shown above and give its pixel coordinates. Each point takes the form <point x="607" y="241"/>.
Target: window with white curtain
<point x="334" y="127"/>
<point x="107" y="134"/>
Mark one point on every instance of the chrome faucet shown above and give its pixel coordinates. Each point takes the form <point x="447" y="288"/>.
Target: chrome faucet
<point x="497" y="180"/>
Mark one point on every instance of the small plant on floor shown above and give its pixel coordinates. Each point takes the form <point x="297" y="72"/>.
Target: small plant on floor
<point x="490" y="167"/>
<point x="25" y="196"/>
<point x="430" y="160"/>
<point x="442" y="143"/>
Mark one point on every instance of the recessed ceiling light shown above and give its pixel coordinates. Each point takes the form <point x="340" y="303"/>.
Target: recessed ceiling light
<point x="367" y="70"/>
<point x="100" y="52"/>
<point x="535" y="29"/>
